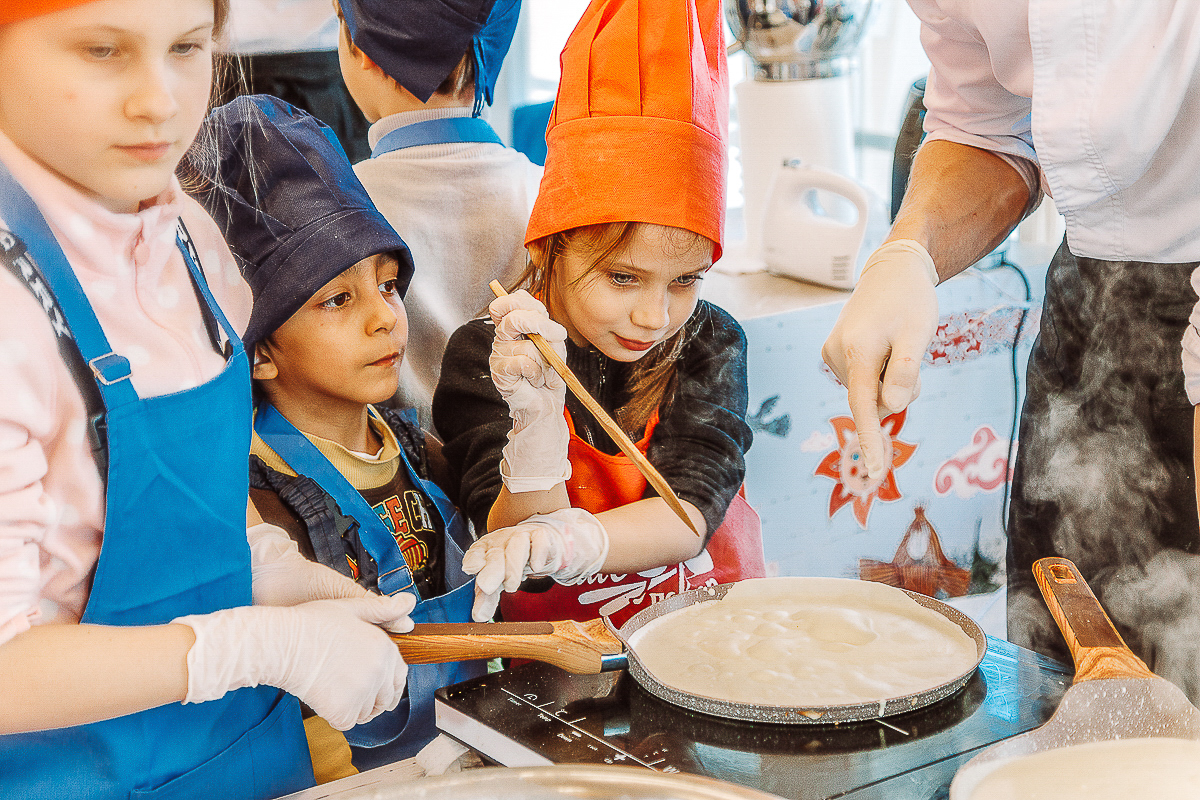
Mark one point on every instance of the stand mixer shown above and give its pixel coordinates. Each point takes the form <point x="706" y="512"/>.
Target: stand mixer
<point x="796" y="108"/>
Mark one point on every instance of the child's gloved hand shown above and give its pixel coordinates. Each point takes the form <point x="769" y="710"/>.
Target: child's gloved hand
<point x="330" y="653"/>
<point x="535" y="458"/>
<point x="568" y="545"/>
<point x="283" y="577"/>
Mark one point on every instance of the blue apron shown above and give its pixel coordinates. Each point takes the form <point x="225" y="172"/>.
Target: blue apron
<point x="400" y="733"/>
<point x="174" y="544"/>
<point x="437" y="131"/>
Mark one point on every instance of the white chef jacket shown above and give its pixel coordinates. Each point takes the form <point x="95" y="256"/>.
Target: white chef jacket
<point x="462" y="208"/>
<point x="1104" y="95"/>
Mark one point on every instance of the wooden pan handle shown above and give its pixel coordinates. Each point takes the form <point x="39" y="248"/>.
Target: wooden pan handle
<point x="1098" y="650"/>
<point x="574" y="646"/>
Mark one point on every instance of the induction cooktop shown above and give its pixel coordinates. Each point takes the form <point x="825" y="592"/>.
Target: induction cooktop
<point x="538" y="714"/>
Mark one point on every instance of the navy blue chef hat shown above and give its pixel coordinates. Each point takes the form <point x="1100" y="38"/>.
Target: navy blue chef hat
<point x="290" y="206"/>
<point x="419" y="42"/>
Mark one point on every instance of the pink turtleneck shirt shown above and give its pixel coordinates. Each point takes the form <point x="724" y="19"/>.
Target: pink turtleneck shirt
<point x="51" y="495"/>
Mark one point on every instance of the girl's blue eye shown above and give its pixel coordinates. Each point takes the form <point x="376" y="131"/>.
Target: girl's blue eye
<point x="100" y="52"/>
<point x="187" y="48"/>
<point x="621" y="278"/>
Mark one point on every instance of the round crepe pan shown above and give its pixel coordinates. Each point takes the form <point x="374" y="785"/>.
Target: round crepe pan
<point x="792" y="715"/>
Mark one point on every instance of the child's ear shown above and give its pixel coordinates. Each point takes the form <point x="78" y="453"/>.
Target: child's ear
<point x="264" y="368"/>
<point x="364" y="61"/>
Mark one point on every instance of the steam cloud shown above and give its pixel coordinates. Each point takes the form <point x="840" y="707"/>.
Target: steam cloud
<point x="1118" y="490"/>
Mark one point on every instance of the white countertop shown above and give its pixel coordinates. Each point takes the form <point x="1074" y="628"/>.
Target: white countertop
<point x="739" y="283"/>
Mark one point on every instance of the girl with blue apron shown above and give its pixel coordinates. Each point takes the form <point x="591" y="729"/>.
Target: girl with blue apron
<point x="179" y="462"/>
<point x="401" y="733"/>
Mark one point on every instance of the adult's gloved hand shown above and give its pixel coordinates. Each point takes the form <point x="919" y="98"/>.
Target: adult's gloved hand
<point x="283" y="577"/>
<point x="568" y="545"/>
<point x="880" y="338"/>
<point x="328" y="653"/>
<point x="535" y="458"/>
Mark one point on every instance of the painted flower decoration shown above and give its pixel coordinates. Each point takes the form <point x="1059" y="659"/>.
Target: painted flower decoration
<point x="845" y="465"/>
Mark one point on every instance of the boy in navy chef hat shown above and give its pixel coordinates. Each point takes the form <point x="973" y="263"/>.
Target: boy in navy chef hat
<point x="349" y="482"/>
<point x="423" y="71"/>
<point x="421" y="44"/>
<point x="293" y="212"/>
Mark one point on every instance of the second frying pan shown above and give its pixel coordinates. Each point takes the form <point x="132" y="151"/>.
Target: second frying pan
<point x="1114" y="695"/>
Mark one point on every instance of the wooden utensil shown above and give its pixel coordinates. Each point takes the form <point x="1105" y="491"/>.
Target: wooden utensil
<point x="610" y="426"/>
<point x="1098" y="650"/>
<point x="1114" y="694"/>
<point x="585" y="648"/>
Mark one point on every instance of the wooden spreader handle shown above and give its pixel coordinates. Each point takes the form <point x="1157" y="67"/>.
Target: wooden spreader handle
<point x="577" y="647"/>
<point x="1098" y="650"/>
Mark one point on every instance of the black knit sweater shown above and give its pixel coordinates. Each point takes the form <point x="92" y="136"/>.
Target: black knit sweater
<point x="698" y="445"/>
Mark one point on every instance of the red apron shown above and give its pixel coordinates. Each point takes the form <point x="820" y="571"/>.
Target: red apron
<point x="600" y="482"/>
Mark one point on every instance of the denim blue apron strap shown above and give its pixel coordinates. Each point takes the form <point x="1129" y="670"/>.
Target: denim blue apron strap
<point x="220" y="332"/>
<point x="22" y="265"/>
<point x="447" y="130"/>
<point x="305" y="459"/>
<point x="48" y="275"/>
<point x="458" y="536"/>
<point x="404" y="731"/>
<point x="407" y="729"/>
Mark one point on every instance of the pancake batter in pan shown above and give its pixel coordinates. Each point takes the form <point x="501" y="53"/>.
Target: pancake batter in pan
<point x="805" y="642"/>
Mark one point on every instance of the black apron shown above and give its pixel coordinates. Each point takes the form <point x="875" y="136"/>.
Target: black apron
<point x="1104" y="471"/>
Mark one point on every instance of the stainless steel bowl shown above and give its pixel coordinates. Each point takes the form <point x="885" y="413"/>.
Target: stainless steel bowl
<point x="798" y="39"/>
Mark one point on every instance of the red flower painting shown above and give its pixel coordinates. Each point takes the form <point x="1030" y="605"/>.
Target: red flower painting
<point x="845" y="466"/>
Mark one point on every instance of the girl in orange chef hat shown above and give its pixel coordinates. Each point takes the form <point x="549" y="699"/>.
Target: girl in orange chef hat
<point x="153" y="642"/>
<point x="627" y="222"/>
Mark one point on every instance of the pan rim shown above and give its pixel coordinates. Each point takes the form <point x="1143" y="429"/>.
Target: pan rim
<point x="794" y="715"/>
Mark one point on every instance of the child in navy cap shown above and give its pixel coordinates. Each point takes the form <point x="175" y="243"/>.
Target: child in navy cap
<point x="348" y="481"/>
<point x="422" y="71"/>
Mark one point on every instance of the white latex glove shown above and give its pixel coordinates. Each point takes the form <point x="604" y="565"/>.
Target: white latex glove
<point x="568" y="545"/>
<point x="328" y="653"/>
<point x="283" y="577"/>
<point x="443" y="755"/>
<point x="880" y="338"/>
<point x="535" y="458"/>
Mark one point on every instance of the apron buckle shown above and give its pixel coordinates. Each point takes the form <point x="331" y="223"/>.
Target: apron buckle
<point x="110" y="368"/>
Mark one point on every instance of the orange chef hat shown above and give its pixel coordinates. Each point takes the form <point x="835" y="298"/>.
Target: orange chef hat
<point x="638" y="128"/>
<point x="15" y="10"/>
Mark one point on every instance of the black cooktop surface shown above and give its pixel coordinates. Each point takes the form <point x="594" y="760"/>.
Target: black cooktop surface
<point x="538" y="714"/>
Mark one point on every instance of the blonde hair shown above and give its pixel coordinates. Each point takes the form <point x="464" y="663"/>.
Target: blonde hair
<point x="199" y="163"/>
<point x="654" y="378"/>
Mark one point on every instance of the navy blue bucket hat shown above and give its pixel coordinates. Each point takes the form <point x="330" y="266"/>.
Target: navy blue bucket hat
<point x="418" y="43"/>
<point x="291" y="208"/>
